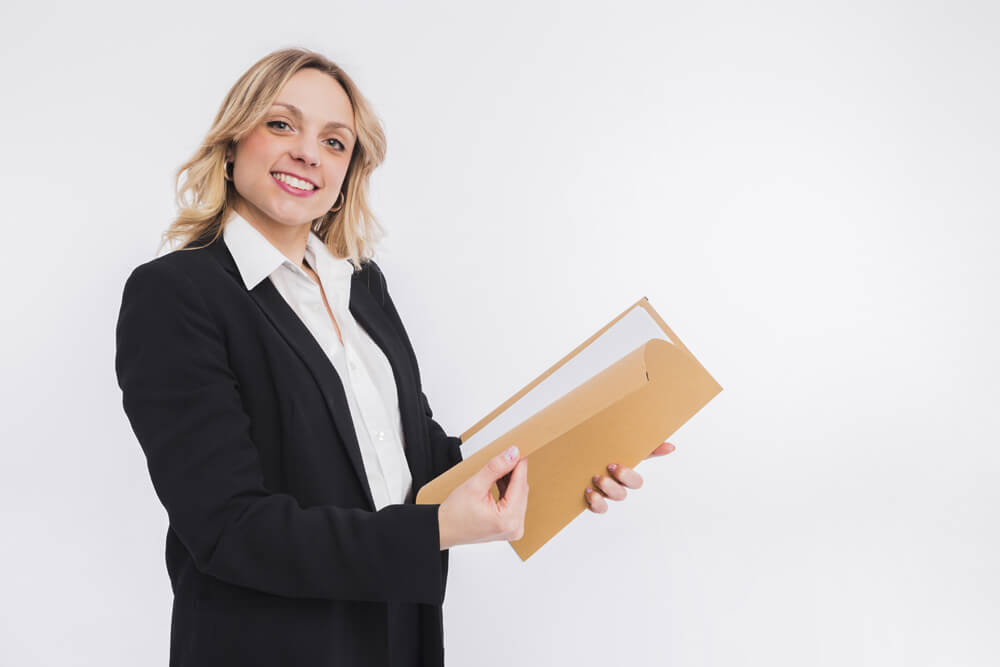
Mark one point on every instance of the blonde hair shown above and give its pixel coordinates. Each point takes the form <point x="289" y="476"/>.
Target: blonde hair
<point x="206" y="197"/>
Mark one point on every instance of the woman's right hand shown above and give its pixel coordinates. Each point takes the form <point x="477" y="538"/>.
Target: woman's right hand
<point x="470" y="514"/>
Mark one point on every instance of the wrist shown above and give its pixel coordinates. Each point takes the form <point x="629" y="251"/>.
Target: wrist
<point x="444" y="532"/>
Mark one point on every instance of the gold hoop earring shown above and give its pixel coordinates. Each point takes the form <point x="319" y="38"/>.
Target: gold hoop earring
<point x="334" y="210"/>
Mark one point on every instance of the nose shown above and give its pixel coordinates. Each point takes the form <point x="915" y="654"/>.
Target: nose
<point x="305" y="151"/>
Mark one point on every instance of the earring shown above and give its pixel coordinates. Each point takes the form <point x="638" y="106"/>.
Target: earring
<point x="225" y="171"/>
<point x="334" y="210"/>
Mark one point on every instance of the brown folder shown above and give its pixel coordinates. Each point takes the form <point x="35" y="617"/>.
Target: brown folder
<point x="619" y="412"/>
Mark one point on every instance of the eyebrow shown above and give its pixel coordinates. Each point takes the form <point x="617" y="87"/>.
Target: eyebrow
<point x="295" y="111"/>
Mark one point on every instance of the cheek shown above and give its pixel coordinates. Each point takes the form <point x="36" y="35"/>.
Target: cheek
<point x="335" y="179"/>
<point x="257" y="149"/>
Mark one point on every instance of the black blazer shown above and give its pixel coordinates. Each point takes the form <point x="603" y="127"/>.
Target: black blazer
<point x="275" y="552"/>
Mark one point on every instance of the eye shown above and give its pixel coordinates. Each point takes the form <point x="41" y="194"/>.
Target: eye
<point x="272" y="123"/>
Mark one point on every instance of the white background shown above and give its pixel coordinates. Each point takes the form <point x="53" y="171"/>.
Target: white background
<point x="806" y="192"/>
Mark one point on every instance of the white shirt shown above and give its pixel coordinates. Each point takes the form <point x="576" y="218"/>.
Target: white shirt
<point x="363" y="368"/>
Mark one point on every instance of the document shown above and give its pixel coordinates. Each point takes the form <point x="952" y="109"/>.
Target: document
<point x="614" y="398"/>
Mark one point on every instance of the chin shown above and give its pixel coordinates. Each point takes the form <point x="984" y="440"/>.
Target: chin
<point x="292" y="218"/>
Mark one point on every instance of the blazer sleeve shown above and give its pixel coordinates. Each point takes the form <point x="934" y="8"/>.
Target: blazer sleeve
<point x="183" y="402"/>
<point x="447" y="449"/>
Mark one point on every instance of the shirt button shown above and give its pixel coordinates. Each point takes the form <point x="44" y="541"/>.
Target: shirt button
<point x="381" y="435"/>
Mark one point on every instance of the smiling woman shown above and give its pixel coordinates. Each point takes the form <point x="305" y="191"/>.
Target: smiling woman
<point x="277" y="398"/>
<point x="294" y="138"/>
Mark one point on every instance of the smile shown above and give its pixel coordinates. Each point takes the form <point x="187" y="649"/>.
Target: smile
<point x="293" y="185"/>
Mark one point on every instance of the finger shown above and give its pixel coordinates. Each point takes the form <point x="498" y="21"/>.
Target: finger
<point x="662" y="449"/>
<point x="626" y="476"/>
<point x="595" y="501"/>
<point x="609" y="487"/>
<point x="517" y="489"/>
<point x="495" y="468"/>
<point x="502" y="484"/>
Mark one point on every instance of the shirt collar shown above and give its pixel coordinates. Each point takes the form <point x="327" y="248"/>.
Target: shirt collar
<point x="257" y="259"/>
<point x="324" y="262"/>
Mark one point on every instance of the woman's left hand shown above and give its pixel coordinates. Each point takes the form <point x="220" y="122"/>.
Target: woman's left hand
<point x="614" y="487"/>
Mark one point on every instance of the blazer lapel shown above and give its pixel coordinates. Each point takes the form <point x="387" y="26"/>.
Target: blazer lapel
<point x="374" y="320"/>
<point x="370" y="316"/>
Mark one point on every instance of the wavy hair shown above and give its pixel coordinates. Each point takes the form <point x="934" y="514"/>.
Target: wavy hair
<point x="206" y="197"/>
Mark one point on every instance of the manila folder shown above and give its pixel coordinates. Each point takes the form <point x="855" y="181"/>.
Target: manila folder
<point x="614" y="398"/>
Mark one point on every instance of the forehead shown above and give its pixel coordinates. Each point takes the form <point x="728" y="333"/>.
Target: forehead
<point x="318" y="97"/>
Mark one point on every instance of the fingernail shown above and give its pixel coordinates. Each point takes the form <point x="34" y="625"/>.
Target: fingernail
<point x="612" y="467"/>
<point x="596" y="478"/>
<point x="511" y="453"/>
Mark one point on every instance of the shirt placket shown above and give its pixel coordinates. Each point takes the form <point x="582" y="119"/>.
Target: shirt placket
<point x="371" y="408"/>
<point x="340" y="355"/>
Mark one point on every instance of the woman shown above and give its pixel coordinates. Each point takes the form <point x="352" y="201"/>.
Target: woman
<point x="277" y="398"/>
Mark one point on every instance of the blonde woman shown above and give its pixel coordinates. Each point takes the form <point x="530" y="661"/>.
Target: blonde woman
<point x="277" y="398"/>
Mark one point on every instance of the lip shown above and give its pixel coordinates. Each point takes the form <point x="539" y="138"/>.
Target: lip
<point x="289" y="189"/>
<point x="301" y="178"/>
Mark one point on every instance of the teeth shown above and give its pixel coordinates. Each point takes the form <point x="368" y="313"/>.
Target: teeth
<point x="294" y="182"/>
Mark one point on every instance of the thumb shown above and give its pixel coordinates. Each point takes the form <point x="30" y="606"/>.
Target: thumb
<point x="495" y="468"/>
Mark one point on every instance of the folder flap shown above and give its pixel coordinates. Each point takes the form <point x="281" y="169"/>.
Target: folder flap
<point x="608" y="387"/>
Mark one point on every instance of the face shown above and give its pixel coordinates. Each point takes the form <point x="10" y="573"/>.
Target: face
<point x="307" y="134"/>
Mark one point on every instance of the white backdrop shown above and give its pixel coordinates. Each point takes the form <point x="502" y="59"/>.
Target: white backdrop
<point x="807" y="192"/>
